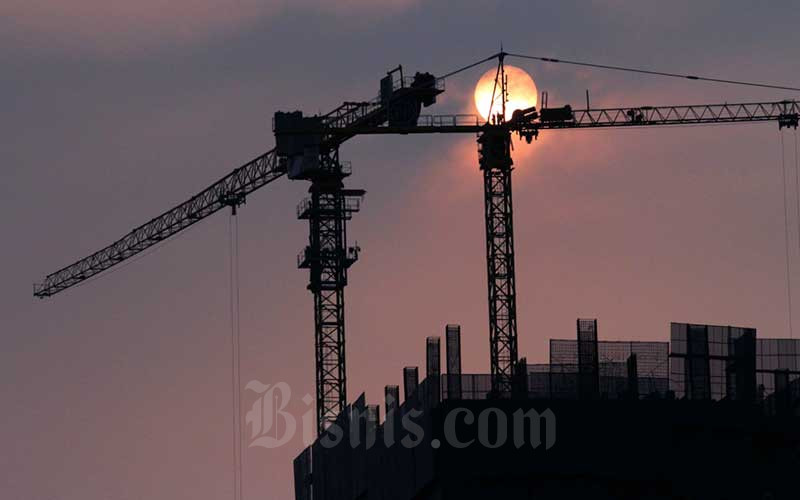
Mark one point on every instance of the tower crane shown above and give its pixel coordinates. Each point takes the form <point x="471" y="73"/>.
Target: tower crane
<point x="307" y="148"/>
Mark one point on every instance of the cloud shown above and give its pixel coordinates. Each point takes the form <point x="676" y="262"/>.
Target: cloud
<point x="114" y="26"/>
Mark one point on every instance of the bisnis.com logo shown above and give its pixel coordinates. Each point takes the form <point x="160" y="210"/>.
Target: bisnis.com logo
<point x="269" y="408"/>
<point x="272" y="426"/>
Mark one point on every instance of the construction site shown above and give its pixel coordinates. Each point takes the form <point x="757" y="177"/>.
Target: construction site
<point x="711" y="413"/>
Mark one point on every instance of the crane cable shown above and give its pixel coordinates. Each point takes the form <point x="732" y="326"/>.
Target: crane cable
<point x="233" y="237"/>
<point x="786" y="237"/>
<point x="797" y="200"/>
<point x="655" y="73"/>
<point x="476" y="63"/>
<point x="797" y="186"/>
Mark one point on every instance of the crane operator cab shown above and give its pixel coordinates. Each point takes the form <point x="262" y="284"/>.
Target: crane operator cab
<point x="301" y="140"/>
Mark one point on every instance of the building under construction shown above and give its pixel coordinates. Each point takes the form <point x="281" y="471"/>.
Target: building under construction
<point x="712" y="414"/>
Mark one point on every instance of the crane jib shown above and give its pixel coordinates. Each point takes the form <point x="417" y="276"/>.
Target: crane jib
<point x="228" y="191"/>
<point x="369" y="117"/>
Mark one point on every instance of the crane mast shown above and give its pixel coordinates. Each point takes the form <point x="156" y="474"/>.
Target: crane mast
<point x="307" y="148"/>
<point x="328" y="258"/>
<point x="494" y="151"/>
<point x="494" y="158"/>
<point x="312" y="154"/>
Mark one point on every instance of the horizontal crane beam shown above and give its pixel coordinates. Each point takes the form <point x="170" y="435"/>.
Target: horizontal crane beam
<point x="231" y="191"/>
<point x="678" y="115"/>
<point x="786" y="113"/>
<point x="369" y="118"/>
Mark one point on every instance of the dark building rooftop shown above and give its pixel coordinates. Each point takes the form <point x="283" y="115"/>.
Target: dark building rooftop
<point x="714" y="413"/>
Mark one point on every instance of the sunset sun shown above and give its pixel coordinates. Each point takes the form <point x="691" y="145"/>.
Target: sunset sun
<point x="522" y="92"/>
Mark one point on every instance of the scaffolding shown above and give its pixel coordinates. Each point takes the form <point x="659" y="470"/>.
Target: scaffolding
<point x="778" y="374"/>
<point x="711" y="362"/>
<point x="624" y="368"/>
<point x="701" y="362"/>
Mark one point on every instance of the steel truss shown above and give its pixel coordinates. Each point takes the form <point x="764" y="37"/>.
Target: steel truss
<point x="395" y="111"/>
<point x="231" y="191"/>
<point x="328" y="257"/>
<point x="495" y="162"/>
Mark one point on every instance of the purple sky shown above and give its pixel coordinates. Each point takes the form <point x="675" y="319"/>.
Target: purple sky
<point x="120" y="389"/>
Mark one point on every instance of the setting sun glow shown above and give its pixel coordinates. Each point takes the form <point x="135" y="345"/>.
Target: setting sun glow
<point x="522" y="92"/>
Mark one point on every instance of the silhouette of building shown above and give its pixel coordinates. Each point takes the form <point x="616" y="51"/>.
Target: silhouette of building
<point x="712" y="414"/>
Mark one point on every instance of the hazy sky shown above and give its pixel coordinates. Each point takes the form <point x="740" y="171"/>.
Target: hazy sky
<point x="109" y="115"/>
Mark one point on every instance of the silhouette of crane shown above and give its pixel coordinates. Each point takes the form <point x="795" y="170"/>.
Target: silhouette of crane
<point x="307" y="148"/>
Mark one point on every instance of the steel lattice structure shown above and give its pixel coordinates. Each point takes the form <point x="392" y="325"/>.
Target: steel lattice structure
<point x="495" y="161"/>
<point x="683" y="115"/>
<point x="328" y="257"/>
<point x="785" y="112"/>
<point x="307" y="149"/>
<point x="231" y="190"/>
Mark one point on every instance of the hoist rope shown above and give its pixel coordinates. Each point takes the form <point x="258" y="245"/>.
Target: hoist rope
<point x="233" y="237"/>
<point x="797" y="198"/>
<point x="239" y="358"/>
<point x="797" y="187"/>
<point x="786" y="238"/>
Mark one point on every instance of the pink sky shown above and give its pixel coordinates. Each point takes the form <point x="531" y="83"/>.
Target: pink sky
<point x="113" y="28"/>
<point x="120" y="389"/>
